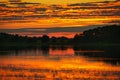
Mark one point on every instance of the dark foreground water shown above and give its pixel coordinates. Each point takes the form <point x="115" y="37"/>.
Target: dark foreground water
<point x="63" y="63"/>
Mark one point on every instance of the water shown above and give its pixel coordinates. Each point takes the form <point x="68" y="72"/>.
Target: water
<point x="59" y="63"/>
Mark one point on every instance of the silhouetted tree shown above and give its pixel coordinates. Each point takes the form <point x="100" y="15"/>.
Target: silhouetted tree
<point x="106" y="34"/>
<point x="45" y="40"/>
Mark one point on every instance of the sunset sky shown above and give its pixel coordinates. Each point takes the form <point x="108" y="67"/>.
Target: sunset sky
<point x="61" y="1"/>
<point x="64" y="1"/>
<point x="66" y="13"/>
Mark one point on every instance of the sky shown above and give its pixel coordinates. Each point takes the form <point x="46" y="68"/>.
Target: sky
<point x="45" y="15"/>
<point x="64" y="1"/>
<point x="61" y="1"/>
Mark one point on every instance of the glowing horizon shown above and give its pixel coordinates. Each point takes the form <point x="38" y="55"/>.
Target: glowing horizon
<point x="62" y="1"/>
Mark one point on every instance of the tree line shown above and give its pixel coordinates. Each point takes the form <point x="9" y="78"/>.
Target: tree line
<point x="105" y="34"/>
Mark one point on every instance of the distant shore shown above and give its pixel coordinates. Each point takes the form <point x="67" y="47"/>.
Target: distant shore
<point x="99" y="37"/>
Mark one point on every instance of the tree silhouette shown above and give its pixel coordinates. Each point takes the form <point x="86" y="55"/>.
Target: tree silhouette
<point x="106" y="34"/>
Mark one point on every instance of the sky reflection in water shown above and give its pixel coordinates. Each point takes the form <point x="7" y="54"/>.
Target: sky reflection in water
<point x="49" y="64"/>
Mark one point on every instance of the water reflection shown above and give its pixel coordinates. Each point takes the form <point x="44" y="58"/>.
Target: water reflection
<point x="57" y="63"/>
<point x="106" y="54"/>
<point x="110" y="52"/>
<point x="56" y="68"/>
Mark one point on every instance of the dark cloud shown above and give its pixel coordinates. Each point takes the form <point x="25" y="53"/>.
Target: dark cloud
<point x="49" y="30"/>
<point x="12" y="18"/>
<point x="115" y="22"/>
<point x="83" y="4"/>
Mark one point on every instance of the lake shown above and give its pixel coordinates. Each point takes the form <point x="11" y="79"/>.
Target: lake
<point x="60" y="63"/>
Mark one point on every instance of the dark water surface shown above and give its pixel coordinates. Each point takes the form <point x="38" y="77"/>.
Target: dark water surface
<point x="60" y="63"/>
